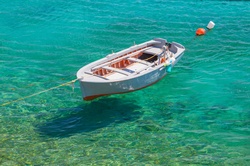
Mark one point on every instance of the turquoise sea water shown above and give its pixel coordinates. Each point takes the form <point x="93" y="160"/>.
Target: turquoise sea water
<point x="199" y="114"/>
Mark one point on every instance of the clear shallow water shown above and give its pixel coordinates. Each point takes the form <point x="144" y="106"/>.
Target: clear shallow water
<point x="198" y="115"/>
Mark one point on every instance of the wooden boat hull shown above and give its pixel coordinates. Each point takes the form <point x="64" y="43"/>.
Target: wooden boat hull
<point x="92" y="90"/>
<point x="128" y="70"/>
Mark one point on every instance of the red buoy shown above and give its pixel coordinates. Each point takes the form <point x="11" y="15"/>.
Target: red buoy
<point x="200" y="31"/>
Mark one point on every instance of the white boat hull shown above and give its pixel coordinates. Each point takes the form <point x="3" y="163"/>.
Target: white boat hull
<point x="119" y="78"/>
<point x="91" y="90"/>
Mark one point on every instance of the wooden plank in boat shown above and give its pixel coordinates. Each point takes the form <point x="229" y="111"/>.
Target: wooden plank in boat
<point x="139" y="61"/>
<point x="91" y="73"/>
<point x="143" y="68"/>
<point x="153" y="50"/>
<point x="118" y="59"/>
<point x="116" y="70"/>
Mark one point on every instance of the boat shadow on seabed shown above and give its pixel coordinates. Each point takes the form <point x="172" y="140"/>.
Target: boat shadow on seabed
<point x="91" y="116"/>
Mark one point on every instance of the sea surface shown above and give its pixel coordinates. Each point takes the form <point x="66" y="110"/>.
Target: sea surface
<point x="199" y="114"/>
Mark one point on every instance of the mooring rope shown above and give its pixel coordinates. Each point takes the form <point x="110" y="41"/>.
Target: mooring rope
<point x="35" y="94"/>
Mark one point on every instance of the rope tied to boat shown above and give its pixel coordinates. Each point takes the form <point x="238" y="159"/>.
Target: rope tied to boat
<point x="150" y="57"/>
<point x="35" y="94"/>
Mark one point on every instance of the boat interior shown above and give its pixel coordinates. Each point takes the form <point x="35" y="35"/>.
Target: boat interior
<point x="130" y="63"/>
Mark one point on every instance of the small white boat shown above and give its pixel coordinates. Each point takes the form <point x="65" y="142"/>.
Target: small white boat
<point x="128" y="70"/>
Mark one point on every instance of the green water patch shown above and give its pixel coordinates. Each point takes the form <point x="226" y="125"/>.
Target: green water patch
<point x="92" y="116"/>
